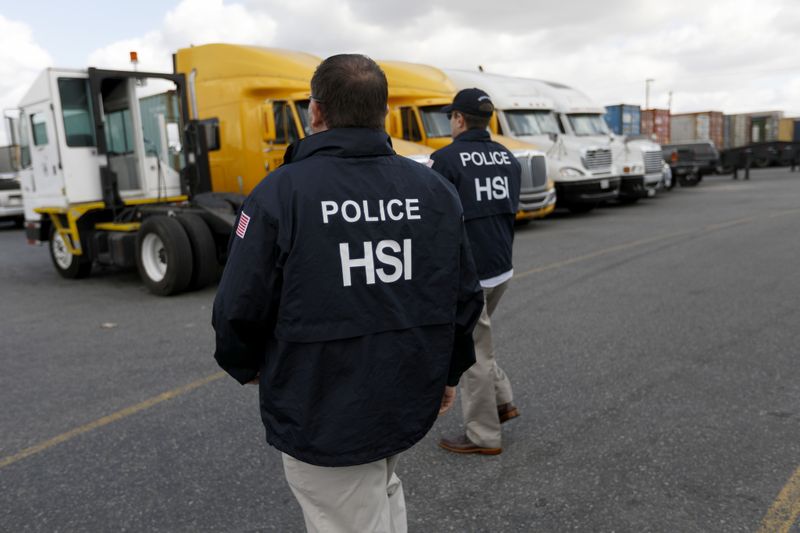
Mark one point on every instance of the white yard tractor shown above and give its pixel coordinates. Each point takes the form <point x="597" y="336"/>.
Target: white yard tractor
<point x="115" y="173"/>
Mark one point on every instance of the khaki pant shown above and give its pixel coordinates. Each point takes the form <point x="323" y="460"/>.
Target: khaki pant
<point x="485" y="386"/>
<point x="366" y="498"/>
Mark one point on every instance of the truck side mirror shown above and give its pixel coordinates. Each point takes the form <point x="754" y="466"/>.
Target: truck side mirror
<point x="270" y="130"/>
<point x="211" y="131"/>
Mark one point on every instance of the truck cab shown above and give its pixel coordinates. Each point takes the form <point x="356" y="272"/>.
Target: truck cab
<point x="259" y="97"/>
<point x="67" y="162"/>
<point x="417" y="93"/>
<point x="111" y="164"/>
<point x="640" y="164"/>
<point x="563" y="122"/>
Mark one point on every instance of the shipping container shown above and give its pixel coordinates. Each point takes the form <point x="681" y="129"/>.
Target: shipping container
<point x="623" y="119"/>
<point x="786" y="129"/>
<point x="701" y="126"/>
<point x="764" y="126"/>
<point x="736" y="131"/>
<point x="656" y="122"/>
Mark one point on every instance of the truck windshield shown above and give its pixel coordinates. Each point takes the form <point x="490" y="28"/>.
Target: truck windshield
<point x="435" y="122"/>
<point x="302" y="112"/>
<point x="528" y="122"/>
<point x="588" y="124"/>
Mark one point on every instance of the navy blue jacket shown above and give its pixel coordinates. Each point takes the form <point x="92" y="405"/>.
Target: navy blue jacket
<point x="350" y="288"/>
<point x="487" y="177"/>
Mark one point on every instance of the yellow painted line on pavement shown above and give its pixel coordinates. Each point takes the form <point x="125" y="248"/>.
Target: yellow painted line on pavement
<point x="642" y="242"/>
<point x="730" y="223"/>
<point x="785" y="213"/>
<point x="784" y="512"/>
<point x="104" y="421"/>
<point x="604" y="251"/>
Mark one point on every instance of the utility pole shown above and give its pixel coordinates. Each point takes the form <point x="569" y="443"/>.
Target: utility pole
<point x="669" y="102"/>
<point x="647" y="83"/>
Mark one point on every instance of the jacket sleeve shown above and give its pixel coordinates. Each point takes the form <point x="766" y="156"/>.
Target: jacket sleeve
<point x="470" y="305"/>
<point x="248" y="294"/>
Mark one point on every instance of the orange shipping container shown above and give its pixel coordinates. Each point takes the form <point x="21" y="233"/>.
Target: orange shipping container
<point x="656" y="122"/>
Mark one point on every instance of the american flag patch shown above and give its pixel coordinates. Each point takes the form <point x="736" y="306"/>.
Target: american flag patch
<point x="244" y="220"/>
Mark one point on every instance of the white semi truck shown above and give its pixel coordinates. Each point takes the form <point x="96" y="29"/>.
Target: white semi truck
<point x="638" y="162"/>
<point x="642" y="167"/>
<point x="118" y="175"/>
<point x="562" y="122"/>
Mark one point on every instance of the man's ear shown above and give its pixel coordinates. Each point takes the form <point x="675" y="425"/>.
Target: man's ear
<point x="316" y="117"/>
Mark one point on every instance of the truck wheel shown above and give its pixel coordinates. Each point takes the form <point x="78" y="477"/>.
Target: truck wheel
<point x="204" y="251"/>
<point x="689" y="180"/>
<point x="163" y="255"/>
<point x="68" y="265"/>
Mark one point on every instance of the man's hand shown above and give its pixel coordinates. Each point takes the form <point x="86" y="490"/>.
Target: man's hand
<point x="448" y="398"/>
<point x="254" y="381"/>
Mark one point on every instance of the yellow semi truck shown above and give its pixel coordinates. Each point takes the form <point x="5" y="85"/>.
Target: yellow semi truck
<point x="416" y="95"/>
<point x="259" y="98"/>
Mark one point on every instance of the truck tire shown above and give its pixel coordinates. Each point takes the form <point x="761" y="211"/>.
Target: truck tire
<point x="68" y="265"/>
<point x="204" y="251"/>
<point x="689" y="180"/>
<point x="163" y="255"/>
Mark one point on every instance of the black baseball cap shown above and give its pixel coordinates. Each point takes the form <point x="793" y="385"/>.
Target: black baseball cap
<point x="471" y="101"/>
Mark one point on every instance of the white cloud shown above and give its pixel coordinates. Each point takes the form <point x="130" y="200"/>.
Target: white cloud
<point x="21" y="60"/>
<point x="192" y="22"/>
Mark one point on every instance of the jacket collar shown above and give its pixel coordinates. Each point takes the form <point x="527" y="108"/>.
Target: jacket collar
<point x="341" y="142"/>
<point x="474" y="135"/>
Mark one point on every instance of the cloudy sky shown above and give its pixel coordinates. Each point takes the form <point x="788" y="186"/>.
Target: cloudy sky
<point x="727" y="55"/>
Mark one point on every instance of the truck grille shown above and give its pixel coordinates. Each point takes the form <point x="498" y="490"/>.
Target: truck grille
<point x="653" y="162"/>
<point x="534" y="171"/>
<point x="598" y="160"/>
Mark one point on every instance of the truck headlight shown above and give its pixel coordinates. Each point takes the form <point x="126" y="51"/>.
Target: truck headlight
<point x="633" y="169"/>
<point x="570" y="172"/>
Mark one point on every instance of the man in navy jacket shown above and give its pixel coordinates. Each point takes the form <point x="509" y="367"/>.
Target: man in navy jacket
<point x="487" y="177"/>
<point x="350" y="295"/>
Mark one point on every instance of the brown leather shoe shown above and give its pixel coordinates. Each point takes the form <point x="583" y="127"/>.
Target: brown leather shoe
<point x="462" y="444"/>
<point x="507" y="411"/>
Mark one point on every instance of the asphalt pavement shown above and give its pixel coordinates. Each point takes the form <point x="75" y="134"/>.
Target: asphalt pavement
<point x="653" y="351"/>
